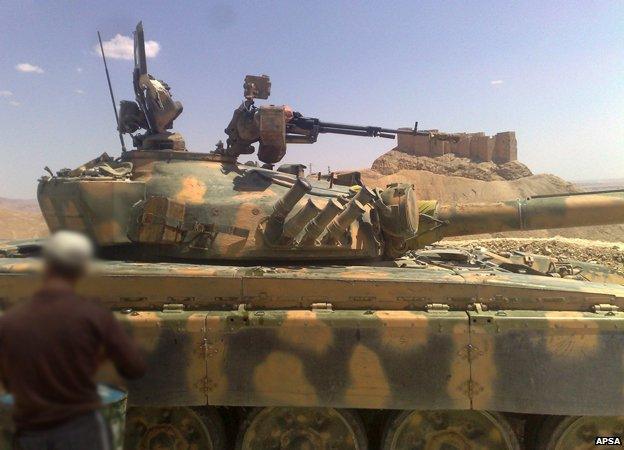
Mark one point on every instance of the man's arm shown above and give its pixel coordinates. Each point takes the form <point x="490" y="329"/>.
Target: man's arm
<point x="4" y="383"/>
<point x="121" y="349"/>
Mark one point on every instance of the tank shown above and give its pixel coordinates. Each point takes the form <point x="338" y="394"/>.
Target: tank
<point x="279" y="311"/>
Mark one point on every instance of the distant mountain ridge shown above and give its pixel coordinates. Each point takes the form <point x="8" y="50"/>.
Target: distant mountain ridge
<point x="30" y="205"/>
<point x="600" y="185"/>
<point x="21" y="219"/>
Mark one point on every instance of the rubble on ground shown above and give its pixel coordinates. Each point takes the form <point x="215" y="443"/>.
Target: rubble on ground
<point x="610" y="254"/>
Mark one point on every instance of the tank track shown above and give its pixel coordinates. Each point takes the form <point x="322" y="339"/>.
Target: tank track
<point x="225" y="428"/>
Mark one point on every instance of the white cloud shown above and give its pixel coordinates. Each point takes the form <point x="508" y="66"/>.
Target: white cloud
<point x="122" y="47"/>
<point x="6" y="94"/>
<point x="79" y="69"/>
<point x="28" y="68"/>
<point x="495" y="82"/>
<point x="79" y="91"/>
<point x="14" y="103"/>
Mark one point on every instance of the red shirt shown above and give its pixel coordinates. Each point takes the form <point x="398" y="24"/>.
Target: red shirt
<point x="50" y="349"/>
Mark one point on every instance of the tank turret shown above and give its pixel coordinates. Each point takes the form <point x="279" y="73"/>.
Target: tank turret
<point x="161" y="201"/>
<point x="167" y="204"/>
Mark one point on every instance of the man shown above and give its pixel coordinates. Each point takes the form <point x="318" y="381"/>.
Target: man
<point x="50" y="349"/>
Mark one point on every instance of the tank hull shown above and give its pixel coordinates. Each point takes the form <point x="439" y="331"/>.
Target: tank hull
<point x="362" y="337"/>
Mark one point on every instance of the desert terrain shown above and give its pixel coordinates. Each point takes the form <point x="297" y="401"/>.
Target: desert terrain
<point x="21" y="219"/>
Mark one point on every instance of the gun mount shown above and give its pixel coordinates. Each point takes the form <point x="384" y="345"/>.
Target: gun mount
<point x="273" y="127"/>
<point x="154" y="110"/>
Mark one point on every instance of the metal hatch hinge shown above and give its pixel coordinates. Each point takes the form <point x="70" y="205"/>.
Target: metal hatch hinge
<point x="478" y="307"/>
<point x="437" y="307"/>
<point x="323" y="306"/>
<point x="605" y="308"/>
<point x="173" y="307"/>
<point x="479" y="314"/>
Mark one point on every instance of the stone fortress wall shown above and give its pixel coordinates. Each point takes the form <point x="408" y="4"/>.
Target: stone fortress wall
<point x="500" y="148"/>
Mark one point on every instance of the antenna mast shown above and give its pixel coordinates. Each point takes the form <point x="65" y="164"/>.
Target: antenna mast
<point x="110" y="89"/>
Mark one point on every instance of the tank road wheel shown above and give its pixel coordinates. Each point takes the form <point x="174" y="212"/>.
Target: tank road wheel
<point x="179" y="428"/>
<point x="449" y="430"/>
<point x="579" y="432"/>
<point x="283" y="428"/>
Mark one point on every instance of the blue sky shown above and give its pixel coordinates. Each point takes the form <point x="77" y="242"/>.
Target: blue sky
<point x="557" y="68"/>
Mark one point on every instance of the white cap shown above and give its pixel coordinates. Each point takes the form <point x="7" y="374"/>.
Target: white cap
<point x="68" y="250"/>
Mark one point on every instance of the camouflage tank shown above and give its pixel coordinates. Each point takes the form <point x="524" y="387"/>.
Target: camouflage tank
<point x="285" y="312"/>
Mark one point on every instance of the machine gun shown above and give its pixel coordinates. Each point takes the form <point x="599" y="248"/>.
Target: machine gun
<point x="308" y="128"/>
<point x="273" y="127"/>
<point x="154" y="109"/>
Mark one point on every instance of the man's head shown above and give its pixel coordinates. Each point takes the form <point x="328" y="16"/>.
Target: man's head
<point x="67" y="255"/>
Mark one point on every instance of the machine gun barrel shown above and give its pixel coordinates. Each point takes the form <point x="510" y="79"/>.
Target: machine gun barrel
<point x="354" y="132"/>
<point x="311" y="127"/>
<point x="332" y="127"/>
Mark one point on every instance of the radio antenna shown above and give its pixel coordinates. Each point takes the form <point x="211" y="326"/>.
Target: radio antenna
<point x="110" y="89"/>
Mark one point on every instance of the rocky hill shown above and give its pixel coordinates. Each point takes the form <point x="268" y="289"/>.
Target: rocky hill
<point x="449" y="164"/>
